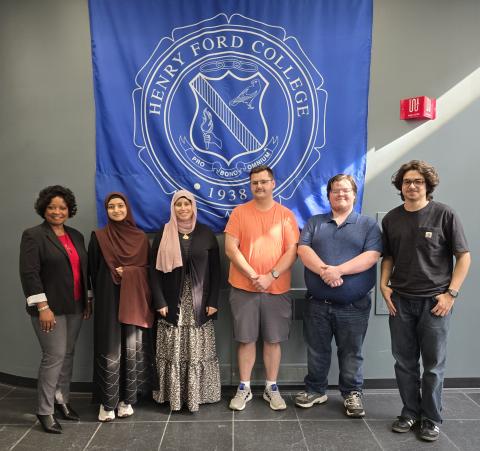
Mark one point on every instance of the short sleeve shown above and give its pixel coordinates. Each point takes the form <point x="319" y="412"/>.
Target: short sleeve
<point x="459" y="240"/>
<point x="233" y="224"/>
<point x="373" y="240"/>
<point x="291" y="229"/>
<point x="306" y="236"/>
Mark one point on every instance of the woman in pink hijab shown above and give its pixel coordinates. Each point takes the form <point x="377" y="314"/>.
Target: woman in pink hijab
<point x="185" y="284"/>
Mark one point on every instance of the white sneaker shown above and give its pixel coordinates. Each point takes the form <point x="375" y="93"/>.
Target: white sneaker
<point x="124" y="410"/>
<point x="274" y="398"/>
<point x="243" y="395"/>
<point x="105" y="415"/>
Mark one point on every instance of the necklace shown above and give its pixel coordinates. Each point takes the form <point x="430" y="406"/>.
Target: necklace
<point x="186" y="236"/>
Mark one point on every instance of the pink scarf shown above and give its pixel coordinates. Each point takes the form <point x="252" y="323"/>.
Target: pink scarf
<point x="169" y="254"/>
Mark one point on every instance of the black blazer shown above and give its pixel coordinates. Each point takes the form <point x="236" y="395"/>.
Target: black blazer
<point x="204" y="271"/>
<point x="45" y="268"/>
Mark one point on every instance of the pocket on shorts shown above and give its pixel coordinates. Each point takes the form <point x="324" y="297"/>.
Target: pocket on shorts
<point x="287" y="301"/>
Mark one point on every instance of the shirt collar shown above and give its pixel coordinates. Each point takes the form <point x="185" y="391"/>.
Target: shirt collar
<point x="351" y="218"/>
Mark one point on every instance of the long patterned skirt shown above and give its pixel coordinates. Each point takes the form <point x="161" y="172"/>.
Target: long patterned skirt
<point x="125" y="371"/>
<point x="187" y="363"/>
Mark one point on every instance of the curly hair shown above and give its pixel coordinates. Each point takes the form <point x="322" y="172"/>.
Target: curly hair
<point x="426" y="170"/>
<point x="46" y="195"/>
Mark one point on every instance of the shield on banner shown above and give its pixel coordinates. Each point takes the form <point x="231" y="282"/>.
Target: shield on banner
<point x="228" y="120"/>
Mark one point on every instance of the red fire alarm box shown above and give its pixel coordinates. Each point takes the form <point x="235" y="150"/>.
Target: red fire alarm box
<point x="418" y="108"/>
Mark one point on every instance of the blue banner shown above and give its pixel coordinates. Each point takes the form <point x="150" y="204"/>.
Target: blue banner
<point x="192" y="94"/>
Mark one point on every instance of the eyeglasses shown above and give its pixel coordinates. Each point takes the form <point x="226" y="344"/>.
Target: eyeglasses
<point x="416" y="182"/>
<point x="341" y="191"/>
<point x="260" y="182"/>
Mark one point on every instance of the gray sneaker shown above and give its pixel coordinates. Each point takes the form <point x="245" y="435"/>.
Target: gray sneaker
<point x="308" y="399"/>
<point x="243" y="395"/>
<point x="274" y="398"/>
<point x="353" y="405"/>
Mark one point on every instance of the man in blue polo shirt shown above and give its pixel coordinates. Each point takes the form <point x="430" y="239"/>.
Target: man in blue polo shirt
<point x="339" y="250"/>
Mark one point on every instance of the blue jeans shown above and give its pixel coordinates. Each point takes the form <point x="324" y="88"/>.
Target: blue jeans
<point x="415" y="332"/>
<point x="323" y="320"/>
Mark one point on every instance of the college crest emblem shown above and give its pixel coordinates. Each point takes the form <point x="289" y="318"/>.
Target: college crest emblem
<point x="221" y="96"/>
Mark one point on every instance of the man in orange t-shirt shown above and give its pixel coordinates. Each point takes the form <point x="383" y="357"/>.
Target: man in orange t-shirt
<point x="261" y="239"/>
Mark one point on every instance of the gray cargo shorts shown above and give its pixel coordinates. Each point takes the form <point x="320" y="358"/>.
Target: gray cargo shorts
<point x="253" y="312"/>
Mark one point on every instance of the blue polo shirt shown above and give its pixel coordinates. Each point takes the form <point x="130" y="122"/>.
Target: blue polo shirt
<point x="338" y="244"/>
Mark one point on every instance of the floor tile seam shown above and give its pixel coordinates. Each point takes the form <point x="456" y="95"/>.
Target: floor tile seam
<point x="7" y="393"/>
<point x="450" y="440"/>
<point x="23" y="436"/>
<point x="395" y="391"/>
<point x="246" y="420"/>
<point x="92" y="437"/>
<point x="460" y="419"/>
<point x="11" y="395"/>
<point x="373" y="434"/>
<point x="327" y="420"/>
<point x="471" y="399"/>
<point x="343" y="420"/>
<point x="33" y="397"/>
<point x="164" y="431"/>
<point x="85" y="423"/>
<point x="301" y="430"/>
<point x="107" y="423"/>
<point x="379" y="393"/>
<point x="216" y="421"/>
<point x="19" y="424"/>
<point x="444" y="420"/>
<point x="463" y="389"/>
<point x="233" y="430"/>
<point x="213" y="420"/>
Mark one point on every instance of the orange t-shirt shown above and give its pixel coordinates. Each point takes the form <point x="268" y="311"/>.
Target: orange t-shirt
<point x="263" y="236"/>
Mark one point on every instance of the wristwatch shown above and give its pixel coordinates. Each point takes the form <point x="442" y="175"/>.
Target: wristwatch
<point x="452" y="292"/>
<point x="275" y="274"/>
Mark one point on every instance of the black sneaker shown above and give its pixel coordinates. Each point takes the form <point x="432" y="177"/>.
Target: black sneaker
<point x="403" y="424"/>
<point x="429" y="431"/>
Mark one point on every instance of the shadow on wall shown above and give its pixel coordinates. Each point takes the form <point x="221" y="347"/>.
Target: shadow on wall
<point x="449" y="105"/>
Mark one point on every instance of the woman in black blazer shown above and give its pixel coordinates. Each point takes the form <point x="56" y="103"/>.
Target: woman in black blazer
<point x="53" y="272"/>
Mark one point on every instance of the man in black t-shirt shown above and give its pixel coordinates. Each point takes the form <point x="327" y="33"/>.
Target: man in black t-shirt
<point x="419" y="282"/>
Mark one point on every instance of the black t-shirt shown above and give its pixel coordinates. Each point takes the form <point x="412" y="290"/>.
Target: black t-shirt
<point x="422" y="244"/>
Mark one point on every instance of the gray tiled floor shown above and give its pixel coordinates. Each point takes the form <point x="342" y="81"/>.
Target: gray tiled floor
<point x="216" y="427"/>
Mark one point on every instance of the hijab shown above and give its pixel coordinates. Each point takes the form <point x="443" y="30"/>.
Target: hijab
<point x="169" y="254"/>
<point x="123" y="244"/>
